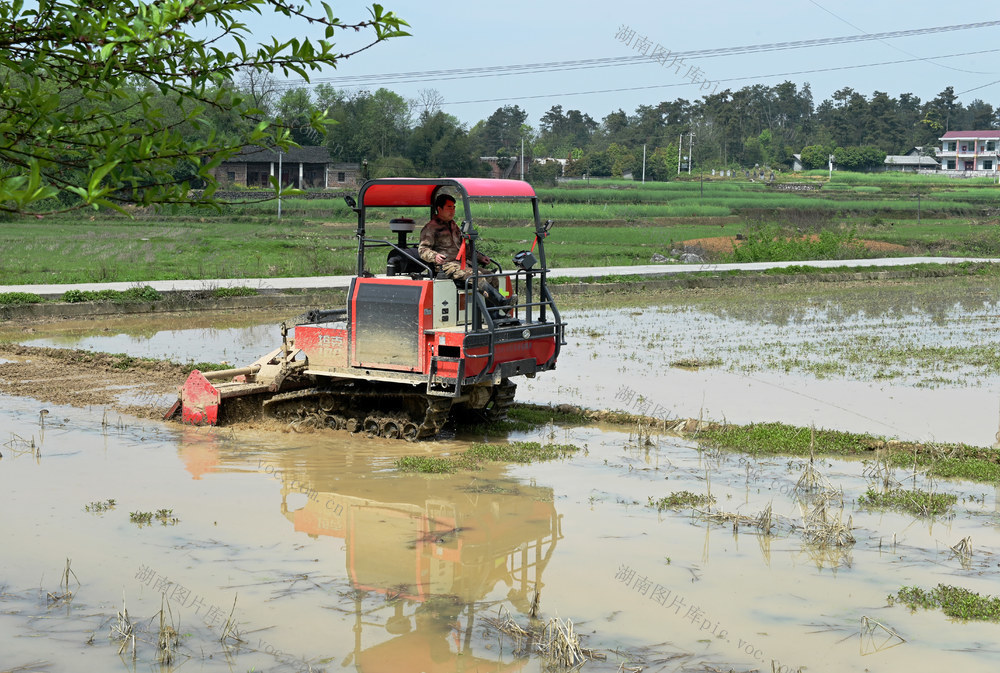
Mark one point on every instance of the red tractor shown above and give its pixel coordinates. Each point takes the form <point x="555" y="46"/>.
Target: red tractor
<point x="412" y="346"/>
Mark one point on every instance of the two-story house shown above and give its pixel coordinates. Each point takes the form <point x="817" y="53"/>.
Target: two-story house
<point x="970" y="151"/>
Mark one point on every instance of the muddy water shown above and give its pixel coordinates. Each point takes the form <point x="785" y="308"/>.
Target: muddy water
<point x="335" y="560"/>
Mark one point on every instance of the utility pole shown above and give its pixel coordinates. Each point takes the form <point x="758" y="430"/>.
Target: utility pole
<point x="279" y="185"/>
<point x="644" y="163"/>
<point x="690" y="152"/>
<point x="680" y="144"/>
<point x="522" y="158"/>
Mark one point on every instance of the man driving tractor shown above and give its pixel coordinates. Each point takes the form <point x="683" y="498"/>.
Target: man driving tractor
<point x="441" y="244"/>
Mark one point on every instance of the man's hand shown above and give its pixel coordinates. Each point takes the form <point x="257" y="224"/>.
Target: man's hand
<point x="439" y="258"/>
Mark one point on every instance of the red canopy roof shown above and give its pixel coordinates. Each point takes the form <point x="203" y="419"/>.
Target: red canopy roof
<point x="418" y="192"/>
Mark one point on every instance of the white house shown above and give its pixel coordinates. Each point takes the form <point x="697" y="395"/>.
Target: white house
<point x="969" y="152"/>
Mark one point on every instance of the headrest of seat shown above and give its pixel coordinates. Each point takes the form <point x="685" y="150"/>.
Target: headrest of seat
<point x="402" y="224"/>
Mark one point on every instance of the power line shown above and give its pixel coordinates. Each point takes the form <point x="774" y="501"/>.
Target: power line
<point x="618" y="61"/>
<point x="731" y="79"/>
<point x="977" y="88"/>
<point x="903" y="51"/>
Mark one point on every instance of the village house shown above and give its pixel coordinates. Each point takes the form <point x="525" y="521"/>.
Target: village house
<point x="510" y="167"/>
<point x="308" y="167"/>
<point x="917" y="159"/>
<point x="969" y="153"/>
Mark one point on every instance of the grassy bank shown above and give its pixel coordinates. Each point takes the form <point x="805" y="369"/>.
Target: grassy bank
<point x="943" y="460"/>
<point x="959" y="461"/>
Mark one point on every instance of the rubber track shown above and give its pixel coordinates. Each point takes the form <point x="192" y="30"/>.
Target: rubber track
<point x="352" y="408"/>
<point x="500" y="401"/>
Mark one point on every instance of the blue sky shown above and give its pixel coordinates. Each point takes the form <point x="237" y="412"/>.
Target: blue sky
<point x="449" y="35"/>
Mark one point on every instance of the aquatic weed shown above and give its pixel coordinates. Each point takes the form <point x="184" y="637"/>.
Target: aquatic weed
<point x="519" y="452"/>
<point x="679" y="499"/>
<point x="916" y="501"/>
<point x="102" y="506"/>
<point x="953" y="601"/>
<point x="426" y="464"/>
<point x="780" y="438"/>
<point x="472" y="459"/>
<point x="164" y="516"/>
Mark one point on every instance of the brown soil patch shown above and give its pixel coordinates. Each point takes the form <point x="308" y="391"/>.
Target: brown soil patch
<point x="141" y="388"/>
<point x="81" y="378"/>
<point x="722" y="244"/>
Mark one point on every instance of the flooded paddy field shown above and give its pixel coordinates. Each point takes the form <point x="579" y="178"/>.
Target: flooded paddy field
<point x="336" y="560"/>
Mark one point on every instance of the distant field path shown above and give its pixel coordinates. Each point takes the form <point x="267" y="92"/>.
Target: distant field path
<point x="726" y="243"/>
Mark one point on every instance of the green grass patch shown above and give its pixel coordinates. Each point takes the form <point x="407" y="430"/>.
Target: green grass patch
<point x="473" y="459"/>
<point x="538" y="415"/>
<point x="953" y="601"/>
<point x="519" y="452"/>
<point x="957" y="461"/>
<point x="18" y="298"/>
<point x="696" y="363"/>
<point x="124" y="362"/>
<point x="771" y="243"/>
<point x="523" y="418"/>
<point x="984" y="469"/>
<point x="921" y="503"/>
<point x="426" y="464"/>
<point x="680" y="500"/>
<point x="760" y="439"/>
<point x="133" y="294"/>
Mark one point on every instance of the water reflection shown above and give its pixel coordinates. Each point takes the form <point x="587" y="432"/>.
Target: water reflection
<point x="233" y="344"/>
<point x="423" y="555"/>
<point x="939" y="303"/>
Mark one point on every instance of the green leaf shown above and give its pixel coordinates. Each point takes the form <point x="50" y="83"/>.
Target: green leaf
<point x="99" y="174"/>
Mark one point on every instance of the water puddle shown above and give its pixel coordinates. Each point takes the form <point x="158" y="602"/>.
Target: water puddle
<point x="197" y="337"/>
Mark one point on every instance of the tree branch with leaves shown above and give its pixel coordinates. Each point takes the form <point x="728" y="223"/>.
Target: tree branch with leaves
<point x="82" y="91"/>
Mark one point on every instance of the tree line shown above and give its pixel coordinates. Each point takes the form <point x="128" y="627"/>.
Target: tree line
<point x="756" y="125"/>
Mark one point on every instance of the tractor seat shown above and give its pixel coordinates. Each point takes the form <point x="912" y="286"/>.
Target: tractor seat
<point x="403" y="262"/>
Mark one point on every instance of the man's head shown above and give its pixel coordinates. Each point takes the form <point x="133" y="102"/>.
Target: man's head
<point x="444" y="206"/>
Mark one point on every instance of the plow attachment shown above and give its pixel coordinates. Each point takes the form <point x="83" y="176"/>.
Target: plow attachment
<point x="202" y="396"/>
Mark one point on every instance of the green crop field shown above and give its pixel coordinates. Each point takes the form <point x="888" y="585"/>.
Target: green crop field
<point x="598" y="222"/>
